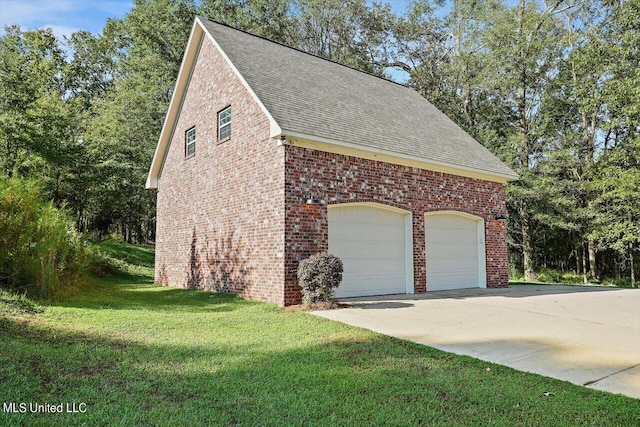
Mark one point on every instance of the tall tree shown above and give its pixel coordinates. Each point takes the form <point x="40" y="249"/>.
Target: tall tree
<point x="266" y="18"/>
<point x="33" y="117"/>
<point x="617" y="224"/>
<point x="121" y="135"/>
<point x="350" y="32"/>
<point x="572" y="114"/>
<point x="525" y="44"/>
<point x="419" y="47"/>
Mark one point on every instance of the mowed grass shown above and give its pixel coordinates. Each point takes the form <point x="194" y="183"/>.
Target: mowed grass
<point x="137" y="354"/>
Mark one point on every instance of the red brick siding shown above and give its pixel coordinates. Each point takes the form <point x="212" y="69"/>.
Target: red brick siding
<point x="334" y="178"/>
<point x="220" y="218"/>
<point x="233" y="217"/>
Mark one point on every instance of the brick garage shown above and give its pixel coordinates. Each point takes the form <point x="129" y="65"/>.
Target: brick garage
<point x="335" y="179"/>
<point x="232" y="216"/>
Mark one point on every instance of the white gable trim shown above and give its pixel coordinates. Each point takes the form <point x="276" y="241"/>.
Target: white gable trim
<point x="356" y="150"/>
<point x="182" y="83"/>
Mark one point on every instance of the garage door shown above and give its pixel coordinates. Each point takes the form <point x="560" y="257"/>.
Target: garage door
<point x="372" y="245"/>
<point x="455" y="252"/>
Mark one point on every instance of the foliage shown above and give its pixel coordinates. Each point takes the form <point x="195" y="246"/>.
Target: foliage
<point x="199" y="358"/>
<point x="114" y="257"/>
<point x="12" y="303"/>
<point x="40" y="251"/>
<point x="34" y="124"/>
<point x="552" y="88"/>
<point x="319" y="276"/>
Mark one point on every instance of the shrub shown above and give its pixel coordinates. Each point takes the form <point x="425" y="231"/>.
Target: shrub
<point x="40" y="251"/>
<point x="16" y="304"/>
<point x="319" y="275"/>
<point x="101" y="264"/>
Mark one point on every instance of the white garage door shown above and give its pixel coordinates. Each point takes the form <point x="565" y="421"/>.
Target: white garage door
<point x="455" y="252"/>
<point x="371" y="243"/>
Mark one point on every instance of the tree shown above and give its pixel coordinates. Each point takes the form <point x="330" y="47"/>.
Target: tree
<point x="349" y="32"/>
<point x="419" y="47"/>
<point x="266" y="18"/>
<point x="121" y="135"/>
<point x="617" y="224"/>
<point x="33" y="119"/>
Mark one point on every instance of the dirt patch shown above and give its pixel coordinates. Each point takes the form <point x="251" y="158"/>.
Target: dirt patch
<point x="321" y="306"/>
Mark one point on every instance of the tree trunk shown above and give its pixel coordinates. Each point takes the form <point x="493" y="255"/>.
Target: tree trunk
<point x="633" y="274"/>
<point x="527" y="246"/>
<point x="593" y="273"/>
<point x="584" y="265"/>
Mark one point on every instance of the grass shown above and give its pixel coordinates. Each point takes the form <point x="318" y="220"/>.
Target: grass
<point x="141" y="355"/>
<point x="134" y="262"/>
<point x="17" y="304"/>
<point x="549" y="276"/>
<point x="133" y="255"/>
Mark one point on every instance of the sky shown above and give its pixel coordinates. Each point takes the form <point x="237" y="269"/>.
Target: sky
<point x="63" y="16"/>
<point x="67" y="16"/>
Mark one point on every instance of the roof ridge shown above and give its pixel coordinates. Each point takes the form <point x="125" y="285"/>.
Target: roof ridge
<point x="306" y="53"/>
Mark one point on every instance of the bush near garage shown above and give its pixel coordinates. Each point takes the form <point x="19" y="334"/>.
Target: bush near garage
<point x="319" y="276"/>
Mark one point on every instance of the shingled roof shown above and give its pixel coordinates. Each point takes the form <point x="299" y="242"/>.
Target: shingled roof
<point x="319" y="99"/>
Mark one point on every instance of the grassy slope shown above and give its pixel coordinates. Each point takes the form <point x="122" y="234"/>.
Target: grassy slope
<point x="137" y="354"/>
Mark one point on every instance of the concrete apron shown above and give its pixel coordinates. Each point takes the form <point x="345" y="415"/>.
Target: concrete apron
<point x="589" y="336"/>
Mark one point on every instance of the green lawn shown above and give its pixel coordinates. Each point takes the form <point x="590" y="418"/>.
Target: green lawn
<point x="137" y="354"/>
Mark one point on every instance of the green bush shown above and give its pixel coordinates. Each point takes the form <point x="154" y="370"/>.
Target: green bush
<point x="40" y="251"/>
<point x="548" y="275"/>
<point x="16" y="304"/>
<point x="319" y="275"/>
<point x="101" y="264"/>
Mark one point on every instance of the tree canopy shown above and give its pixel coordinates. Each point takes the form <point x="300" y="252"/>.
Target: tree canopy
<point x="551" y="87"/>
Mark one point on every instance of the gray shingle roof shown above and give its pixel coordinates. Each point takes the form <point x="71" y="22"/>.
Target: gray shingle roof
<point x="316" y="97"/>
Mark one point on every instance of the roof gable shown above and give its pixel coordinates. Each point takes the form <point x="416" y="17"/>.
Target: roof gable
<point x="319" y="100"/>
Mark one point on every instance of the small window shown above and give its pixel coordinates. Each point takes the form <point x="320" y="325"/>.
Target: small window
<point x="190" y="142"/>
<point x="224" y="124"/>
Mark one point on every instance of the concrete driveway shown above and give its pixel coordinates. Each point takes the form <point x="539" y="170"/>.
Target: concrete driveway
<point x="586" y="335"/>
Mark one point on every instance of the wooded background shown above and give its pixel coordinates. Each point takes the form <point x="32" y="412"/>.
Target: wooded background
<point x="551" y="87"/>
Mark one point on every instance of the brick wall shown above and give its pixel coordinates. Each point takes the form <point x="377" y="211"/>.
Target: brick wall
<point x="334" y="178"/>
<point x="233" y="217"/>
<point x="220" y="218"/>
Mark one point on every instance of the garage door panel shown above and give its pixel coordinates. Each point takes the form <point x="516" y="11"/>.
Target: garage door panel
<point x="452" y="252"/>
<point x="451" y="221"/>
<point x="376" y="265"/>
<point x="450" y="265"/>
<point x="445" y="250"/>
<point x="389" y="233"/>
<point x="371" y="243"/>
<point x="452" y="281"/>
<point x="370" y="249"/>
<point x="373" y="284"/>
<point x="458" y="235"/>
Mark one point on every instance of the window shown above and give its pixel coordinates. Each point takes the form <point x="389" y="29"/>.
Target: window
<point x="190" y="142"/>
<point x="224" y="124"/>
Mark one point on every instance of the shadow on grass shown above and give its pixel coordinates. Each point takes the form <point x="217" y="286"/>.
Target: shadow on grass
<point x="110" y="293"/>
<point x="337" y="380"/>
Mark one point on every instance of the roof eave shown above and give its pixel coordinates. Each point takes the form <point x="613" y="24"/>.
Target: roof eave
<point x="361" y="151"/>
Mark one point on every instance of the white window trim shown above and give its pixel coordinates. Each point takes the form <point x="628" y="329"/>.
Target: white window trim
<point x="190" y="143"/>
<point x="227" y="124"/>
